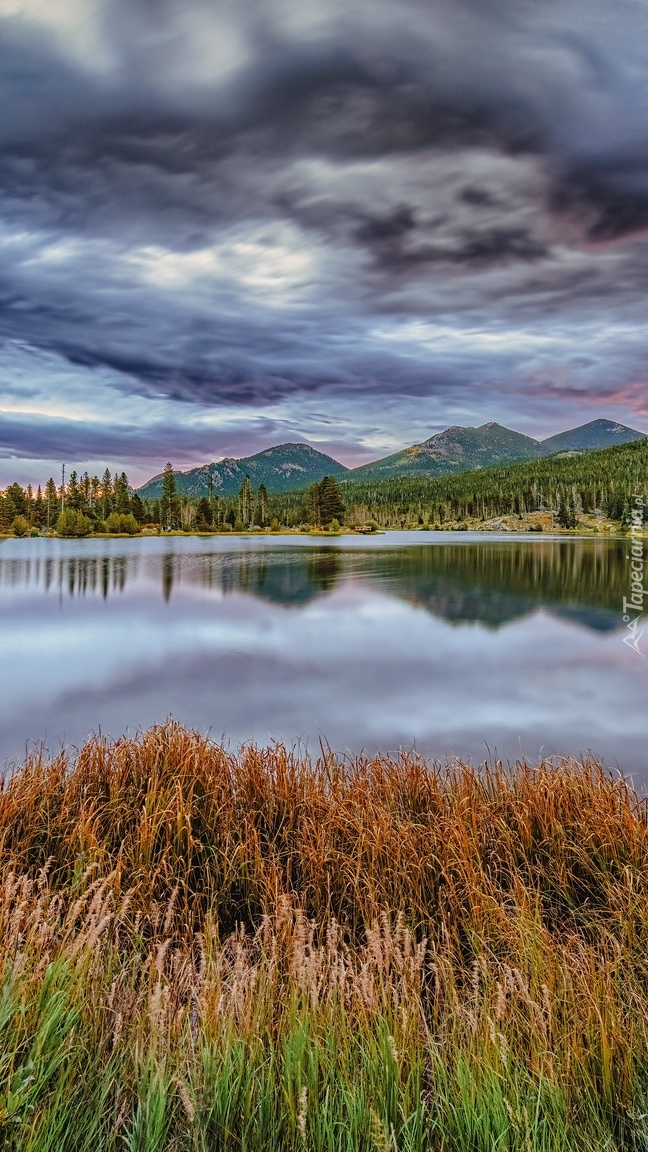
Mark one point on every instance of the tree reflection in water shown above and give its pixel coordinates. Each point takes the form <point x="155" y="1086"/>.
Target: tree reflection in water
<point x="489" y="582"/>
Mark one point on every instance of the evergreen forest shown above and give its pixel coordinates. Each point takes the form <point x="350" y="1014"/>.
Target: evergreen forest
<point x="563" y="492"/>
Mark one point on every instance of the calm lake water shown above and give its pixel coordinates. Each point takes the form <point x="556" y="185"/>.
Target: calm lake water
<point x="456" y="644"/>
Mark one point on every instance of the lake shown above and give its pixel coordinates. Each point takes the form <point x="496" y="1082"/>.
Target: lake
<point x="455" y="644"/>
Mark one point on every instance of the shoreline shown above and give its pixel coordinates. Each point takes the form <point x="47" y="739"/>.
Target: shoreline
<point x="526" y="533"/>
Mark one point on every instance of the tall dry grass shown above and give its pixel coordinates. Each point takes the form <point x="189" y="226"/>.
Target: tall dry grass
<point x="203" y="950"/>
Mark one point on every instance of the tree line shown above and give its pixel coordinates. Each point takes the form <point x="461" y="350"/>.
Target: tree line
<point x="321" y="505"/>
<point x="76" y="507"/>
<point x="600" y="483"/>
<point x="85" y="505"/>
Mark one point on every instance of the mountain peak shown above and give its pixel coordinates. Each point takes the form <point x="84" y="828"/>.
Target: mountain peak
<point x="290" y="466"/>
<point x="457" y="449"/>
<point x="599" y="433"/>
<point x="281" y="468"/>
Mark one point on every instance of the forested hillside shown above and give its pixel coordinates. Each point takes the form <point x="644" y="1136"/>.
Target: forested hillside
<point x="551" y="492"/>
<point x="280" y="469"/>
<point x="602" y="482"/>
<point x="452" y="451"/>
<point x="459" y="449"/>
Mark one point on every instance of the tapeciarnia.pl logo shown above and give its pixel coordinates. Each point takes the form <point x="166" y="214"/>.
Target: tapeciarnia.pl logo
<point x="633" y="607"/>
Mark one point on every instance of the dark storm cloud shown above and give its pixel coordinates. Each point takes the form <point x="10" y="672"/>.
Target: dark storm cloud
<point x="234" y="207"/>
<point x="391" y="240"/>
<point x="608" y="203"/>
<point x="477" y="197"/>
<point x="392" y="227"/>
<point x="52" y="438"/>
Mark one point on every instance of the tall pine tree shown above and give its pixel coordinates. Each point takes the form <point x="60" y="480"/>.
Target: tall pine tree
<point x="262" y="507"/>
<point x="331" y="506"/>
<point x="169" y="497"/>
<point x="245" y="503"/>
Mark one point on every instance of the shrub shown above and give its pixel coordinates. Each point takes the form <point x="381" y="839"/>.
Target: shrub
<point x="20" y="526"/>
<point x="71" y="523"/>
<point x="129" y="525"/>
<point x="119" y="523"/>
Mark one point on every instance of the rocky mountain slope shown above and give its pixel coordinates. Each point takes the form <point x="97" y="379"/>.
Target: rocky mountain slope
<point x="282" y="469"/>
<point x="288" y="467"/>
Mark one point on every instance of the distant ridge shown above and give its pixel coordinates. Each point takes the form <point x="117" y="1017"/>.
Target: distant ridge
<point x="463" y="449"/>
<point x="288" y="467"/>
<point x="455" y="450"/>
<point x="282" y="469"/>
<point x="596" y="434"/>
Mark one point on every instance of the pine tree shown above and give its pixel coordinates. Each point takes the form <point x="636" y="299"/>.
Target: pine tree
<point x="262" y="507"/>
<point x="16" y="502"/>
<point x="566" y="514"/>
<point x="29" y="497"/>
<point x="38" y="508"/>
<point x="169" y="497"/>
<point x="313" y="505"/>
<point x="51" y="510"/>
<point x="106" y="494"/>
<point x="137" y="508"/>
<point x="204" y="517"/>
<point x="122" y="494"/>
<point x="330" y="501"/>
<point x="95" y="492"/>
<point x="73" y="492"/>
<point x="245" y="503"/>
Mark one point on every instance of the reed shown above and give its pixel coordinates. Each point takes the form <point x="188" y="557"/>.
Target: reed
<point x="203" y="950"/>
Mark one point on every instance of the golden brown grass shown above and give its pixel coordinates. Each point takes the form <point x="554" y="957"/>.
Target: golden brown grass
<point x="205" y="950"/>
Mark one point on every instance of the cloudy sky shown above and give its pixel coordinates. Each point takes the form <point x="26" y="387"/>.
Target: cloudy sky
<point x="228" y="225"/>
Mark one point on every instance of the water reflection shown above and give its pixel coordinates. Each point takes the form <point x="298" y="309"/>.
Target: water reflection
<point x="461" y="645"/>
<point x="72" y="575"/>
<point x="492" y="585"/>
<point x="487" y="583"/>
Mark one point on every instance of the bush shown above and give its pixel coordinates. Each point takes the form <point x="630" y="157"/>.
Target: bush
<point x="130" y="525"/>
<point x="71" y="523"/>
<point x="20" y="526"/>
<point x="120" y="523"/>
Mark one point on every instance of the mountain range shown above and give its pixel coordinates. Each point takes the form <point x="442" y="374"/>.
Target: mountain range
<point x="287" y="467"/>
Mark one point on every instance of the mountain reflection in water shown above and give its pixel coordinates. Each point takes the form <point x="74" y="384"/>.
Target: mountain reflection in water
<point x="488" y="583"/>
<point x="453" y="642"/>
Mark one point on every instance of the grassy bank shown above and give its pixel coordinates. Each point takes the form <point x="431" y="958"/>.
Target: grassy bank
<point x="207" y="951"/>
